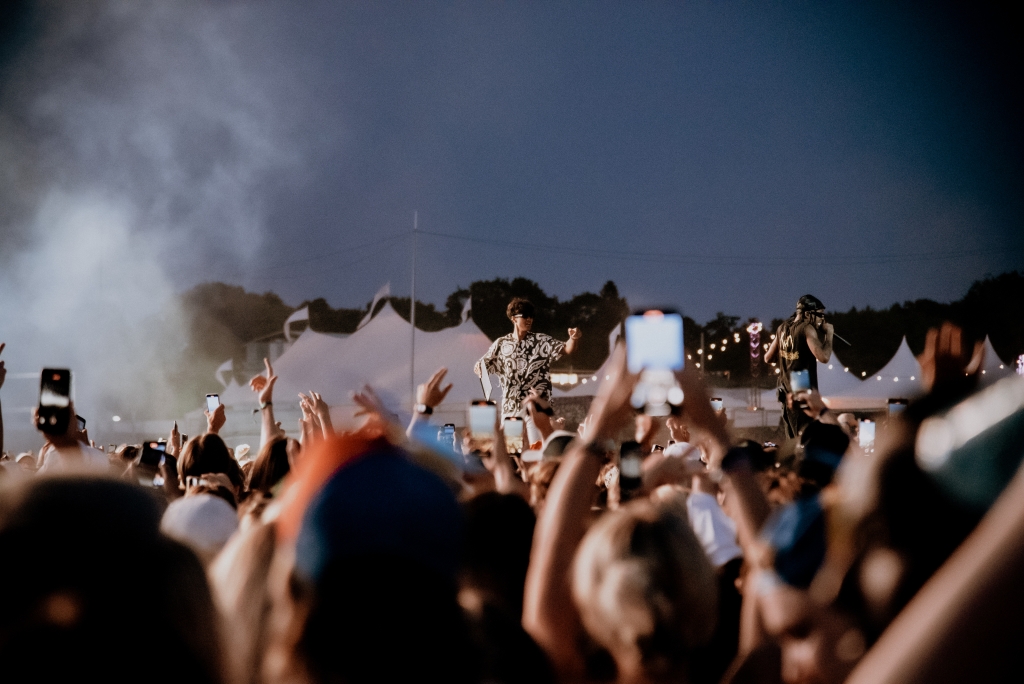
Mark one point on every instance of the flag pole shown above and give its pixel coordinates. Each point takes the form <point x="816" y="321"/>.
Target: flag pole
<point x="412" y="319"/>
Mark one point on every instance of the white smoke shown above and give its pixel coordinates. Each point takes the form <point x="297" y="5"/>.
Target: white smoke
<point x="134" y="142"/>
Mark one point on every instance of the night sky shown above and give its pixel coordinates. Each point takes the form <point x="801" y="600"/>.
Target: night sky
<point x="711" y="156"/>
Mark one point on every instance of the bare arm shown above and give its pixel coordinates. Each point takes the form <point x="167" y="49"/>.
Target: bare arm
<point x="822" y="349"/>
<point x="549" y="614"/>
<point x="430" y="394"/>
<point x="773" y="350"/>
<point x="264" y="387"/>
<point x="574" y="335"/>
<point x="955" y="628"/>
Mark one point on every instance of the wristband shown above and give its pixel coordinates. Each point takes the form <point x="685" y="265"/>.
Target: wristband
<point x="265" y="404"/>
<point x="424" y="410"/>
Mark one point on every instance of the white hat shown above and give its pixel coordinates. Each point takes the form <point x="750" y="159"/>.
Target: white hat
<point x="203" y="521"/>
<point x="680" y="449"/>
<point x="243" y="454"/>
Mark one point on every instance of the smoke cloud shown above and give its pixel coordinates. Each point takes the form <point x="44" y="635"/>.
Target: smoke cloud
<point x="133" y="139"/>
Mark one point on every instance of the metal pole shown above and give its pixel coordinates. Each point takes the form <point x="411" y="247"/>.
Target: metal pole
<point x="412" y="318"/>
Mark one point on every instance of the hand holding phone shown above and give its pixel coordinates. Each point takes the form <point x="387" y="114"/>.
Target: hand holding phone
<point x="654" y="349"/>
<point x="212" y="402"/>
<point x="54" y="413"/>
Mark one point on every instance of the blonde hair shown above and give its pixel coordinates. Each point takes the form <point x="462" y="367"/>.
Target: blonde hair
<point x="642" y="582"/>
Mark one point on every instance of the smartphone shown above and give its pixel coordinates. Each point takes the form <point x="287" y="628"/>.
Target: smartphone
<point x="513" y="429"/>
<point x="654" y="349"/>
<point x="152" y="454"/>
<point x="482" y="416"/>
<point x="54" y="401"/>
<point x="654" y="340"/>
<point x="630" y="470"/>
<point x="717" y="404"/>
<point x="212" y="402"/>
<point x="81" y="422"/>
<point x="800" y="380"/>
<point x="897" y="406"/>
<point x="866" y="433"/>
<point x="111" y="448"/>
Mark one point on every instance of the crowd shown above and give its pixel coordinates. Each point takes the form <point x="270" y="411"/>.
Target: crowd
<point x="391" y="552"/>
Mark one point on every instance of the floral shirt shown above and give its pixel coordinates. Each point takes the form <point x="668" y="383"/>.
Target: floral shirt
<point x="521" y="365"/>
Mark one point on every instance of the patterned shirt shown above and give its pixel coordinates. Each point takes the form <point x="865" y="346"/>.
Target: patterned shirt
<point x="521" y="365"/>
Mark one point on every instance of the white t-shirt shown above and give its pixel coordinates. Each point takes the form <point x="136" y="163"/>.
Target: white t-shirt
<point x="715" y="530"/>
<point x="92" y="460"/>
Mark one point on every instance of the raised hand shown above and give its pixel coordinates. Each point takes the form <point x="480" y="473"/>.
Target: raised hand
<point x="174" y="440"/>
<point x="431" y="393"/>
<point x="264" y="385"/>
<point x="215" y="421"/>
<point x="575" y="334"/>
<point x="611" y="411"/>
<point x="945" y="362"/>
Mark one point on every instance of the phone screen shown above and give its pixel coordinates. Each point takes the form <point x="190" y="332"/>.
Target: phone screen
<point x="81" y="423"/>
<point x="513" y="429"/>
<point x="212" y="402"/>
<point x="152" y="453"/>
<point x="866" y="433"/>
<point x="654" y="339"/>
<point x="897" y="406"/>
<point x="55" y="388"/>
<point x="54" y="401"/>
<point x="800" y="380"/>
<point x="717" y="403"/>
<point x="482" y="415"/>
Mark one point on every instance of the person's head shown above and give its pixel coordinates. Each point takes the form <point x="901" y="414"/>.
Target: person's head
<point x="520" y="312"/>
<point x="850" y="425"/>
<point x="374" y="576"/>
<point x="644" y="587"/>
<point x="102" y="595"/>
<point x="819" y="451"/>
<point x="539" y="476"/>
<point x="271" y="465"/>
<point x="810" y="308"/>
<point x="496" y="548"/>
<point x="26" y="461"/>
<point x="207" y="453"/>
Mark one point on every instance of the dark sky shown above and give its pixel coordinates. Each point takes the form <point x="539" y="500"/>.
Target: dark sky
<point x="712" y="156"/>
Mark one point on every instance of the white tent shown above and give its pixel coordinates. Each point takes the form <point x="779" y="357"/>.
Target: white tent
<point x="993" y="368"/>
<point x="899" y="379"/>
<point x="378" y="354"/>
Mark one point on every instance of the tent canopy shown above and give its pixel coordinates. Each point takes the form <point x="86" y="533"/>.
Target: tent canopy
<point x="378" y="354"/>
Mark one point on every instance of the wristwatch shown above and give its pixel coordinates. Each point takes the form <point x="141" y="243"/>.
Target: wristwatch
<point x="423" y="409"/>
<point x="265" y="404"/>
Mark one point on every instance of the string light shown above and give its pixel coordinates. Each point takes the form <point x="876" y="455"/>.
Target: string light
<point x="754" y="330"/>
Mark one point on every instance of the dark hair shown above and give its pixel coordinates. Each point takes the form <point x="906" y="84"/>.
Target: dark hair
<point x="519" y="306"/>
<point x="809" y="303"/>
<point x="496" y="547"/>
<point x="87" y="549"/>
<point x="208" y="454"/>
<point x="819" y="451"/>
<point x="270" y="466"/>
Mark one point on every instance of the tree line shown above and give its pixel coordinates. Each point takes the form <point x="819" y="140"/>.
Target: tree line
<point x="222" y="318"/>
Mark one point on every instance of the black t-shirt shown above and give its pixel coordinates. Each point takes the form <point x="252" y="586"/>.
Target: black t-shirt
<point x="795" y="354"/>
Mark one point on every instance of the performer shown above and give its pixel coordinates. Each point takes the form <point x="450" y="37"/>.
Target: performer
<point x="522" y="359"/>
<point x="799" y="343"/>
